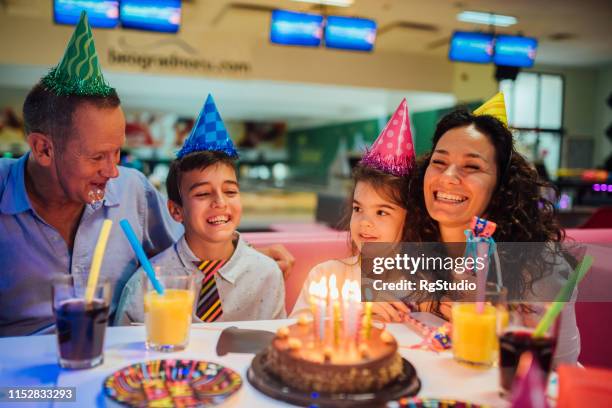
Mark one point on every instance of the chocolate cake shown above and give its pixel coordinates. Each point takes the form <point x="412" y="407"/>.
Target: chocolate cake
<point x="305" y="364"/>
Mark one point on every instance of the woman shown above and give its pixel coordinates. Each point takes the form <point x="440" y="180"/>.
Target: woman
<point x="474" y="170"/>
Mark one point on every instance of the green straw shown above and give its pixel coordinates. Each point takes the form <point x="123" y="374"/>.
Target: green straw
<point x="563" y="296"/>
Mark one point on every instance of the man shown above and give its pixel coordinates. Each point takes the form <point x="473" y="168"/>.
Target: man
<point x="54" y="199"/>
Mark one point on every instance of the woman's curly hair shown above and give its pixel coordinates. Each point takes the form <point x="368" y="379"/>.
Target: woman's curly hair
<point x="517" y="206"/>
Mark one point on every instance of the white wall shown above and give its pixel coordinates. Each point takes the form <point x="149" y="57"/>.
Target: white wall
<point x="473" y="82"/>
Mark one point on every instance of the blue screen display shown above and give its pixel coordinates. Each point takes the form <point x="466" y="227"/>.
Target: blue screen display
<point x="100" y="13"/>
<point x="515" y="51"/>
<point x="151" y="15"/>
<point x="290" y="28"/>
<point x="471" y="47"/>
<point x="349" y="33"/>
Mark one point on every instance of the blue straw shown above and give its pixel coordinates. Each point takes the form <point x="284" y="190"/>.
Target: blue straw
<point x="142" y="257"/>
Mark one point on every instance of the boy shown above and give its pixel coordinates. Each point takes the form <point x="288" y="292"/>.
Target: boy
<point x="233" y="281"/>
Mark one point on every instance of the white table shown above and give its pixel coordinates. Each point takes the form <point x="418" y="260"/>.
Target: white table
<point x="32" y="361"/>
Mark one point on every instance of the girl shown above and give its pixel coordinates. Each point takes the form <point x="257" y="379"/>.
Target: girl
<point x="378" y="210"/>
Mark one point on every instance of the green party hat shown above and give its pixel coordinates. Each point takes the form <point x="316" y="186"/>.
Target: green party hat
<point x="79" y="72"/>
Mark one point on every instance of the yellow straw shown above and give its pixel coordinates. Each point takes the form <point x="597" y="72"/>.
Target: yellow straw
<point x="96" y="262"/>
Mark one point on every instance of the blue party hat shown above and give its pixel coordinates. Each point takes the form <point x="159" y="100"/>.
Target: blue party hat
<point x="208" y="133"/>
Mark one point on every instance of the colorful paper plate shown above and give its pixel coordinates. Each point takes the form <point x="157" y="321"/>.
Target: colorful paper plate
<point x="181" y="383"/>
<point x="416" y="402"/>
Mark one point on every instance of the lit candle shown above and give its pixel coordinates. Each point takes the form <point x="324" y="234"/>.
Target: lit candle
<point x="330" y="308"/>
<point x="367" y="320"/>
<point x="336" y="312"/>
<point x="346" y="309"/>
<point x="356" y="312"/>
<point x="313" y="291"/>
<point x="322" y="306"/>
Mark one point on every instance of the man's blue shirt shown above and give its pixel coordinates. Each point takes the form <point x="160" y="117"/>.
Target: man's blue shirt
<point x="32" y="251"/>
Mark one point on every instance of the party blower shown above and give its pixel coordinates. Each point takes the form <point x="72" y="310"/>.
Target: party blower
<point x="474" y="328"/>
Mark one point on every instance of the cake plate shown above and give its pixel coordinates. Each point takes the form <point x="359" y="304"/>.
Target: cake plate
<point x="407" y="384"/>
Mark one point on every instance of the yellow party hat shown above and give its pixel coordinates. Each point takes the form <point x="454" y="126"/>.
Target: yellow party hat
<point x="495" y="107"/>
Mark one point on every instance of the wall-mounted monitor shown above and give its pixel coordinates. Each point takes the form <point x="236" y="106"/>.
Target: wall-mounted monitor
<point x="471" y="47"/>
<point x="151" y="15"/>
<point x="515" y="51"/>
<point x="100" y="13"/>
<point x="291" y="28"/>
<point x="348" y="33"/>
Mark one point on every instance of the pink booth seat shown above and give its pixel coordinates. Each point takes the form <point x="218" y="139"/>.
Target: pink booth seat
<point x="308" y="249"/>
<point x="593" y="313"/>
<point x="300" y="227"/>
<point x="311" y="248"/>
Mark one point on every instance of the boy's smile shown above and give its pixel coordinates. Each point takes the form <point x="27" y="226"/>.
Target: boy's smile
<point x="211" y="210"/>
<point x="219" y="219"/>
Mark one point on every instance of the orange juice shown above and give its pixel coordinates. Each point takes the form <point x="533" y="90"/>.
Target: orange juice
<point x="475" y="334"/>
<point x="168" y="318"/>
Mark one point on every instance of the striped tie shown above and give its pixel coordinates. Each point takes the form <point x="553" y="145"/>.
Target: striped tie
<point x="209" y="304"/>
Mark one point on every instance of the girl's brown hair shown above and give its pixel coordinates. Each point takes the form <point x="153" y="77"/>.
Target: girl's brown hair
<point x="390" y="187"/>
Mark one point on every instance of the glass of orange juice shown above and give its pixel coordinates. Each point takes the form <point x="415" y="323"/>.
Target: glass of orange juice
<point x="168" y="316"/>
<point x="475" y="333"/>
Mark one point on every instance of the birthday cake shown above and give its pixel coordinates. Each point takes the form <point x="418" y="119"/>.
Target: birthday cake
<point x="301" y="362"/>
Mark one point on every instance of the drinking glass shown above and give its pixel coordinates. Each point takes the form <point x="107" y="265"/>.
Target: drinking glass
<point x="168" y="316"/>
<point x="81" y="326"/>
<point x="475" y="332"/>
<point x="517" y="338"/>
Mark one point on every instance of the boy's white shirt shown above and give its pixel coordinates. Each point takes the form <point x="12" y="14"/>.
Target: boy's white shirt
<point x="250" y="284"/>
<point x="347" y="268"/>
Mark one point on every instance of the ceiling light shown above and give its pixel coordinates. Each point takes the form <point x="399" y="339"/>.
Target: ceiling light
<point x="338" y="3"/>
<point x="486" y="18"/>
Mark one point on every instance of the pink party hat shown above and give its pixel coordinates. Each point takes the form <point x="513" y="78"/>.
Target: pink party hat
<point x="393" y="150"/>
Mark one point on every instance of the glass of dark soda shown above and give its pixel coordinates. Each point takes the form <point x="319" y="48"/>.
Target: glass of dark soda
<point x="518" y="338"/>
<point x="81" y="326"/>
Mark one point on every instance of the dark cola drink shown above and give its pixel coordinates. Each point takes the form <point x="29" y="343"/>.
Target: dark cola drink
<point x="80" y="332"/>
<point x="514" y="343"/>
